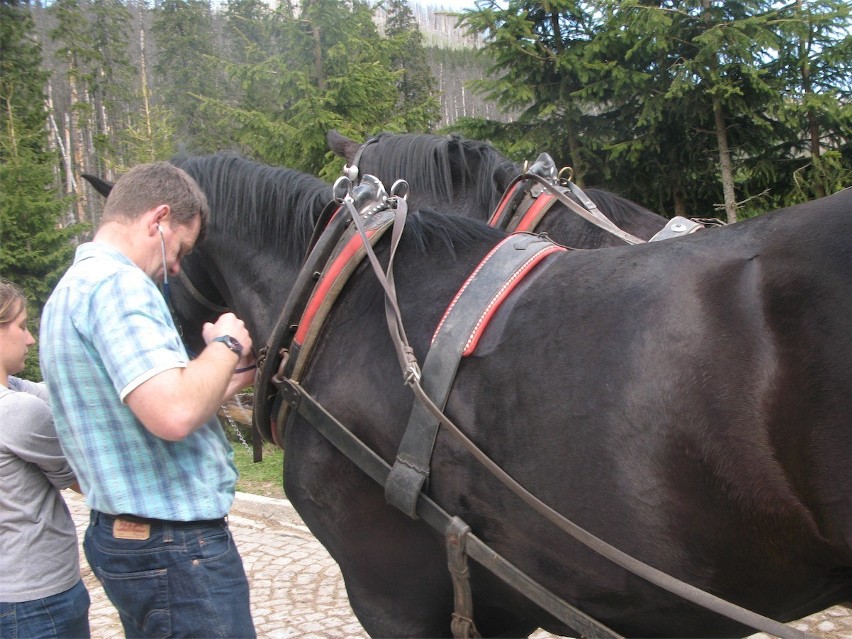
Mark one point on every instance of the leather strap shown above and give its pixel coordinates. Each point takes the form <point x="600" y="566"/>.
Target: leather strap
<point x="462" y="624"/>
<point x="456" y="335"/>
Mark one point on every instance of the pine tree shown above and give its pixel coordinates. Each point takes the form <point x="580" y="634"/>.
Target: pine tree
<point x="112" y="82"/>
<point x="680" y="105"/>
<point x="34" y="250"/>
<point x="75" y="54"/>
<point x="815" y="65"/>
<point x="329" y="70"/>
<point x="188" y="71"/>
<point x="537" y="51"/>
<point x="416" y="86"/>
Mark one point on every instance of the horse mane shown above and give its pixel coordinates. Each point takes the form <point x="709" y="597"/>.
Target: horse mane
<point x="430" y="163"/>
<point x="426" y="228"/>
<point x="427" y="162"/>
<point x="272" y="207"/>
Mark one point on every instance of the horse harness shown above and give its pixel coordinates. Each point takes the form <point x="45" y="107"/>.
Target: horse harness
<point x="335" y="255"/>
<point x="353" y="223"/>
<point x="531" y="195"/>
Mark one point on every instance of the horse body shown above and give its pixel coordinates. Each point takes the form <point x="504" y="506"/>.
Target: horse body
<point x="468" y="177"/>
<point x="701" y="457"/>
<point x="687" y="401"/>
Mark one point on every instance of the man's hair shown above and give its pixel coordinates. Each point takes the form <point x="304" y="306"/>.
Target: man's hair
<point x="147" y="186"/>
<point x="12" y="301"/>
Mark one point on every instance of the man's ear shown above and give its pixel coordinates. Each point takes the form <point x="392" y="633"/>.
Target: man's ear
<point x="158" y="217"/>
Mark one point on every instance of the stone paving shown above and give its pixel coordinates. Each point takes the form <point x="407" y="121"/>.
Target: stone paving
<point x="296" y="587"/>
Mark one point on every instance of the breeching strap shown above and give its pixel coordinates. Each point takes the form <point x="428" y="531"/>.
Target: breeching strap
<point x="462" y="624"/>
<point x="411" y="374"/>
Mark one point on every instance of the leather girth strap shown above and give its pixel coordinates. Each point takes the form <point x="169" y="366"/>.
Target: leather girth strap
<point x="462" y="624"/>
<point x="457" y="334"/>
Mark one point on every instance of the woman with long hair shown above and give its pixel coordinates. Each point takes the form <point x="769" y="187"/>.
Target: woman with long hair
<point x="41" y="592"/>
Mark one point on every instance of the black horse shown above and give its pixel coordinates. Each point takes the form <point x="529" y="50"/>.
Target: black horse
<point x="468" y="177"/>
<point x="689" y="402"/>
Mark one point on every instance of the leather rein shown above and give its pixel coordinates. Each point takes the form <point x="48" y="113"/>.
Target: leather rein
<point x="531" y="195"/>
<point x="274" y="363"/>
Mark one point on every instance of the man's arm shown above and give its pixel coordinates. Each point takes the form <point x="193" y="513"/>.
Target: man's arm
<point x="172" y="404"/>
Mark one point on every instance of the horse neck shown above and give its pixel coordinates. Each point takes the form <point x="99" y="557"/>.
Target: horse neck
<point x="255" y="282"/>
<point x="448" y="176"/>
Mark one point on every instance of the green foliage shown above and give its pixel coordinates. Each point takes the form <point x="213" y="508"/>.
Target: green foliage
<point x="34" y="250"/>
<point x="186" y="68"/>
<point x="296" y="75"/>
<point x="148" y="136"/>
<point x="416" y="85"/>
<point x="22" y="78"/>
<point x="260" y="478"/>
<point x="625" y="91"/>
<point x="112" y="82"/>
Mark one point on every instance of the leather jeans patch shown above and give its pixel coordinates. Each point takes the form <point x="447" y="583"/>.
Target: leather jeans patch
<point x="123" y="529"/>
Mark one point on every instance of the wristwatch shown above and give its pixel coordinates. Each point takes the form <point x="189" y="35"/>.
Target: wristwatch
<point x="231" y="343"/>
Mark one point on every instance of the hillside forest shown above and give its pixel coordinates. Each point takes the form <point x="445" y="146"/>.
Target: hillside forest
<point x="703" y="108"/>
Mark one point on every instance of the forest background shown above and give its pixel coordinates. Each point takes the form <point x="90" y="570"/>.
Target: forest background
<point x="701" y="108"/>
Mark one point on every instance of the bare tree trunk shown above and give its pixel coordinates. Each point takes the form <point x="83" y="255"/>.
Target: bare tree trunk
<point x="146" y="103"/>
<point x="104" y="127"/>
<point x="10" y="127"/>
<point x="813" y="126"/>
<point x="74" y="133"/>
<point x="55" y="138"/>
<point x="318" y="65"/>
<point x="87" y="157"/>
<point x="576" y="162"/>
<point x="70" y="183"/>
<point x="464" y="102"/>
<point x="679" y="203"/>
<point x="725" y="163"/>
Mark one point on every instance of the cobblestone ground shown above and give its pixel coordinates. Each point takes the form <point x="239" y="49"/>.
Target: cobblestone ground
<point x="296" y="588"/>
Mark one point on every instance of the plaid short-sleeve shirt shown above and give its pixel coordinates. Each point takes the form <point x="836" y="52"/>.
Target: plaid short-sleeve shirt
<point x="105" y="330"/>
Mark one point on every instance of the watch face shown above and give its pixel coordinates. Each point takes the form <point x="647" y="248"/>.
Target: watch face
<point x="231" y="343"/>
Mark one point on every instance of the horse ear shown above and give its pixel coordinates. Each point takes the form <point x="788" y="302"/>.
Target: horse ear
<point x="342" y="146"/>
<point x="101" y="186"/>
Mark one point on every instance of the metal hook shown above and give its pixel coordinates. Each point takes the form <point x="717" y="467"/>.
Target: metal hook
<point x="342" y="189"/>
<point x="400" y="189"/>
<point x="563" y="171"/>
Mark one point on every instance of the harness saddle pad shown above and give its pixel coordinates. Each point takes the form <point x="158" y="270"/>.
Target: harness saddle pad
<point x="456" y="336"/>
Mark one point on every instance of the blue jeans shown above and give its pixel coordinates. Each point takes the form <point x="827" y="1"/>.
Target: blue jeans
<point x="185" y="580"/>
<point x="61" y="616"/>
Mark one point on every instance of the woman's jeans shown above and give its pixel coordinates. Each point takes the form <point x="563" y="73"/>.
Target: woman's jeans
<point x="171" y="579"/>
<point x="61" y="616"/>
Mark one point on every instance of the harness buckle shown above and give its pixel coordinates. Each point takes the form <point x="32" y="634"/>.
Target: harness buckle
<point x="411" y="375"/>
<point x="289" y="394"/>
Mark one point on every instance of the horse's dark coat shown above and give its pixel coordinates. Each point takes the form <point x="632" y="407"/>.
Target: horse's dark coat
<point x="689" y="402"/>
<point x="468" y="177"/>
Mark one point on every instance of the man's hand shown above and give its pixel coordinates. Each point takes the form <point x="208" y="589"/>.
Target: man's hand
<point x="228" y="324"/>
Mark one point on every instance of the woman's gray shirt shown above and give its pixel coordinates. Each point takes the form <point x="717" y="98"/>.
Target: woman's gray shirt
<point x="39" y="555"/>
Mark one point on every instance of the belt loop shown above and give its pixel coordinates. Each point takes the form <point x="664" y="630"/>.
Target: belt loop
<point x="168" y="533"/>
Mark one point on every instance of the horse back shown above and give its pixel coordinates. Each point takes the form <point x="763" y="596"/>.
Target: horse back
<point x="686" y="401"/>
<point x="703" y="411"/>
